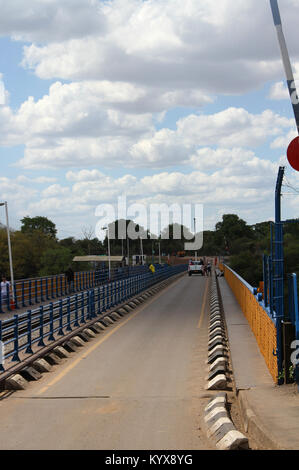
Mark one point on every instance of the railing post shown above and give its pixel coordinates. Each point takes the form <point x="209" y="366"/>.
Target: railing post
<point x="51" y="336"/>
<point x="60" y="331"/>
<point x="15" y="357"/>
<point x="61" y="286"/>
<point x="35" y="292"/>
<point x="76" y="324"/>
<point x="29" y="333"/>
<point x="23" y="294"/>
<point x="99" y="300"/>
<point x="93" y="305"/>
<point x="41" y="326"/>
<point x="69" y="328"/>
<point x="29" y="292"/>
<point x="41" y="290"/>
<point x="47" y="289"/>
<point x="2" y="354"/>
<point x="82" y="309"/>
<point x="1" y="310"/>
<point x="52" y="287"/>
<point x="7" y="298"/>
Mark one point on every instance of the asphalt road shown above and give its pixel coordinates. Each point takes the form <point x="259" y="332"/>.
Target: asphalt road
<point x="138" y="385"/>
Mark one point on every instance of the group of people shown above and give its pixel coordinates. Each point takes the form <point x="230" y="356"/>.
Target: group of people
<point x="5" y="289"/>
<point x="207" y="268"/>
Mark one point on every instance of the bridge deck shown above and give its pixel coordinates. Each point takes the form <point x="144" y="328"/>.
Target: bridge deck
<point x="139" y="385"/>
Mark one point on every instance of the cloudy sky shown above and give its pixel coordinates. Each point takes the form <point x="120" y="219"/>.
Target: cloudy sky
<point x="163" y="101"/>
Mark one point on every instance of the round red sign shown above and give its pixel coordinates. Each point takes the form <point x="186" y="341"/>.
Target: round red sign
<point x="293" y="154"/>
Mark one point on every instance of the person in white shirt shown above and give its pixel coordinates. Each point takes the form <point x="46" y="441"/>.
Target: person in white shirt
<point x="4" y="289"/>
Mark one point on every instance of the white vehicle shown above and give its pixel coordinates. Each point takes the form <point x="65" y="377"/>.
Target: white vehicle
<point x="195" y="267"/>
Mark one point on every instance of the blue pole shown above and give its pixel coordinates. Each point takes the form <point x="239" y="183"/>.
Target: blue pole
<point x="15" y="357"/>
<point x="41" y="326"/>
<point x="51" y="336"/>
<point x="29" y="333"/>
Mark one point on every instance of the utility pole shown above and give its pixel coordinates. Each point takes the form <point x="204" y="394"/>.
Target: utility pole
<point x="9" y="250"/>
<point x="286" y="60"/>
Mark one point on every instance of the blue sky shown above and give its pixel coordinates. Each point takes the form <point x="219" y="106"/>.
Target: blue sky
<point x="194" y="111"/>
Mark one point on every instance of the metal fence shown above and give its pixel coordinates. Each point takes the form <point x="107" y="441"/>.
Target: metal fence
<point x="28" y="292"/>
<point x="260" y="319"/>
<point x="40" y="327"/>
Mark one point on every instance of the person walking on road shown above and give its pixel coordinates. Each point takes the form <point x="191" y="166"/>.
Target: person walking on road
<point x="152" y="268"/>
<point x="69" y="274"/>
<point x="5" y="286"/>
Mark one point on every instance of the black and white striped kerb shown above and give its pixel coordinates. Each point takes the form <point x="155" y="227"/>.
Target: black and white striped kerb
<point x="221" y="428"/>
<point x="217" y="346"/>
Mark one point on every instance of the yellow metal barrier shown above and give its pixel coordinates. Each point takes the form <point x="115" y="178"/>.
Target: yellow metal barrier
<point x="261" y="324"/>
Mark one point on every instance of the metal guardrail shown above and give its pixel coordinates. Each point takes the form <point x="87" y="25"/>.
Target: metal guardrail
<point x="262" y="323"/>
<point x="45" y="325"/>
<point x="28" y="292"/>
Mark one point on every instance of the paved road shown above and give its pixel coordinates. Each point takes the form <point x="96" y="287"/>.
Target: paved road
<point x="139" y="385"/>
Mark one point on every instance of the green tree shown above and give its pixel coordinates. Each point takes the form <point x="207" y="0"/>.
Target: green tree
<point x="40" y="224"/>
<point x="55" y="260"/>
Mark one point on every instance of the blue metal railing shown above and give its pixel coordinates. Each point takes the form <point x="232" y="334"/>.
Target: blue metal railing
<point x="294" y="318"/>
<point x="28" y="292"/>
<point x="40" y="327"/>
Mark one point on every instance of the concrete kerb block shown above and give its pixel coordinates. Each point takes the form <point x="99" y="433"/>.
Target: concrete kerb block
<point x="115" y="316"/>
<point x="77" y="341"/>
<point x="108" y="320"/>
<point x="128" y="308"/>
<point x="215" y="343"/>
<point x="215" y="315"/>
<point x="84" y="336"/>
<point x="89" y="333"/>
<point x="70" y="346"/>
<point x="95" y="328"/>
<point x="16" y="382"/>
<point x="220" y="428"/>
<point x="215" y="323"/>
<point x="30" y="374"/>
<point x="53" y="359"/>
<point x="217" y="349"/>
<point x="233" y="440"/>
<point x="216" y="333"/>
<point x="219" y="400"/>
<point x="61" y="352"/>
<point x="122" y="311"/>
<point x="218" y="383"/>
<point x="213" y="415"/>
<point x="214" y="328"/>
<point x="215" y="309"/>
<point x="218" y="337"/>
<point x="214" y="357"/>
<point x="220" y="370"/>
<point x="132" y="305"/>
<point x="215" y="312"/>
<point x="100" y="326"/>
<point x="42" y="366"/>
<point x="219" y="362"/>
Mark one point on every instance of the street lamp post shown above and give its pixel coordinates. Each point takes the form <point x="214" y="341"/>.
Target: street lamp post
<point x="159" y="252"/>
<point x="9" y="249"/>
<point x="109" y="260"/>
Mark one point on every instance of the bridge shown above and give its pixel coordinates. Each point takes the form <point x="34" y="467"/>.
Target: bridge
<point x="151" y="361"/>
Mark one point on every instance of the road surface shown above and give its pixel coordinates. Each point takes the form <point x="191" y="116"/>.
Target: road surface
<point x="138" y="385"/>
